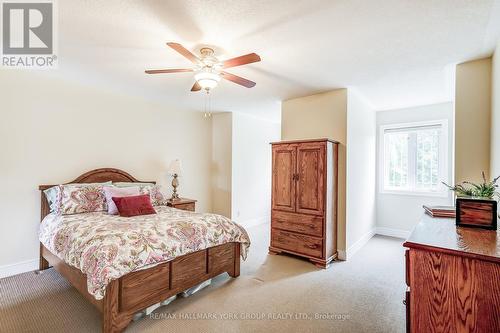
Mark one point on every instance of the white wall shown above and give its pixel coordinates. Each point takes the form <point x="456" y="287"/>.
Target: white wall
<point x="221" y="163"/>
<point x="51" y="131"/>
<point x="495" y="115"/>
<point x="252" y="168"/>
<point x="361" y="167"/>
<point x="397" y="214"/>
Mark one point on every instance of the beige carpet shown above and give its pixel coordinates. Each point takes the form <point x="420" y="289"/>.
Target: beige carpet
<point x="274" y="293"/>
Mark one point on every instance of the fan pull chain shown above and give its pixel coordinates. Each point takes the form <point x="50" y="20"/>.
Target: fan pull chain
<point x="208" y="105"/>
<point x="205" y="106"/>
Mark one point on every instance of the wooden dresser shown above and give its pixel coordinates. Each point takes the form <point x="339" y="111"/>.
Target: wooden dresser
<point x="304" y="199"/>
<point x="453" y="278"/>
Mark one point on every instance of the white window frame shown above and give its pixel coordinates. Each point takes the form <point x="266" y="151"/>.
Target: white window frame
<point x="444" y="172"/>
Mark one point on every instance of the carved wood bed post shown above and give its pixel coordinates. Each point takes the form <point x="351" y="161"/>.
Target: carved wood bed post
<point x="112" y="322"/>
<point x="236" y="268"/>
<point x="42" y="264"/>
<point x="44" y="211"/>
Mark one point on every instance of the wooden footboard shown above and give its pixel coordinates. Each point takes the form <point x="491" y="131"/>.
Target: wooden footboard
<point x="137" y="290"/>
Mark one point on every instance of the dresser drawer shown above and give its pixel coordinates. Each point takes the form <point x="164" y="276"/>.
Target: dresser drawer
<point x="305" y="224"/>
<point x="182" y="203"/>
<point x="187" y="206"/>
<point x="297" y="243"/>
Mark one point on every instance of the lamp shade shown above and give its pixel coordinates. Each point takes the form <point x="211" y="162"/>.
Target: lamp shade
<point x="175" y="167"/>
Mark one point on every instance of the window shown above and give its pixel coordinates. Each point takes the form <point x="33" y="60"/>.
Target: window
<point x="414" y="158"/>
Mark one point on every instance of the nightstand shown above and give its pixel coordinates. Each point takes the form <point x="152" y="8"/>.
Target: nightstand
<point x="182" y="203"/>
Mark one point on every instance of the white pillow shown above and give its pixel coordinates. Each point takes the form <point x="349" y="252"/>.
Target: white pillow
<point x="111" y="191"/>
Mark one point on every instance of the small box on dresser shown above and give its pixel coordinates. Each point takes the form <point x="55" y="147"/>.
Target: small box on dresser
<point x="478" y="213"/>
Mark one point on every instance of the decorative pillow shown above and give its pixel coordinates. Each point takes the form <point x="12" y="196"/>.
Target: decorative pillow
<point x="111" y="191"/>
<point x="154" y="191"/>
<point x="52" y="194"/>
<point x="134" y="205"/>
<point x="81" y="198"/>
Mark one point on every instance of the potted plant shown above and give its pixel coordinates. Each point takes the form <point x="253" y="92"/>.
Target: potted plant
<point x="476" y="205"/>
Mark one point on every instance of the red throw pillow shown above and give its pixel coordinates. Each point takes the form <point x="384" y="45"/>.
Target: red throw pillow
<point x="134" y="205"/>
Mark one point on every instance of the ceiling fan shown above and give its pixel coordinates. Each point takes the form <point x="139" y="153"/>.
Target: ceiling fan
<point x="208" y="69"/>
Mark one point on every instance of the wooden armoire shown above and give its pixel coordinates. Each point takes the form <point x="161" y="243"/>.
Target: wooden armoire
<point x="304" y="199"/>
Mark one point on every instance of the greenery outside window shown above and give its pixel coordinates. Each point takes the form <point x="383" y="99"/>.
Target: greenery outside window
<point x="414" y="158"/>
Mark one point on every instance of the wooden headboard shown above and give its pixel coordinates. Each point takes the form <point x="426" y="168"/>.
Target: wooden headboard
<point x="94" y="176"/>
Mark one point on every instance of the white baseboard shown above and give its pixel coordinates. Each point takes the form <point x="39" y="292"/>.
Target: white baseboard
<point x="360" y="243"/>
<point x="341" y="255"/>
<point x="398" y="233"/>
<point x="18" y="268"/>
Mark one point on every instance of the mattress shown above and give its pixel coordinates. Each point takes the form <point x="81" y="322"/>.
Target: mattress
<point x="106" y="247"/>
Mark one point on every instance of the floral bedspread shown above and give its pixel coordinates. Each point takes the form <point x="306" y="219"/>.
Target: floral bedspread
<point x="106" y="247"/>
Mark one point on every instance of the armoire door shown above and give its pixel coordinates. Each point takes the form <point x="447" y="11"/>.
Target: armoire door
<point x="284" y="160"/>
<point x="311" y="172"/>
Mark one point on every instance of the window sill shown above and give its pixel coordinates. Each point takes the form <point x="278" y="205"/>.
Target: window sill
<point x="417" y="194"/>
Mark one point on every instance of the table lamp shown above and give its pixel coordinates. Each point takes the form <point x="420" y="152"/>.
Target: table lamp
<point x="175" y="170"/>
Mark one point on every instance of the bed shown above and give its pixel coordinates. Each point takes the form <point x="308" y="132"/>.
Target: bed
<point x="123" y="288"/>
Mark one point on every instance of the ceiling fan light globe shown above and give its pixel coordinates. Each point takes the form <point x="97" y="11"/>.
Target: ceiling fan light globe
<point x="207" y="84"/>
<point x="207" y="80"/>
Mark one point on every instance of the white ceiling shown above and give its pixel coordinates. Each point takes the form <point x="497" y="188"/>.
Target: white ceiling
<point x="397" y="53"/>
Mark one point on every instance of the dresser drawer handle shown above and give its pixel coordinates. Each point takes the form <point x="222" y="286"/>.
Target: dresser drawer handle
<point x="312" y="226"/>
<point x="312" y="246"/>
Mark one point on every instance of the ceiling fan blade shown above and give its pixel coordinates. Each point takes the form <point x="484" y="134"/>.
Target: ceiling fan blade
<point x="238" y="80"/>
<point x="185" y="52"/>
<point x="196" y="87"/>
<point x="241" y="60"/>
<point x="173" y="70"/>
